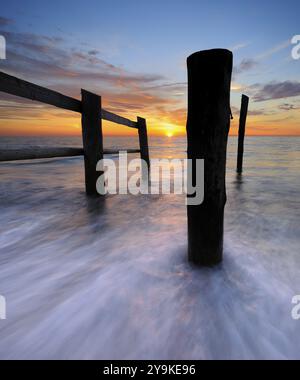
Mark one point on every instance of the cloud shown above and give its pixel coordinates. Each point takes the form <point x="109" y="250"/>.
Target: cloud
<point x="93" y="52"/>
<point x="277" y="90"/>
<point x="53" y="62"/>
<point x="288" y="107"/>
<point x="245" y="65"/>
<point x="177" y="85"/>
<point x="5" y="21"/>
<point x="250" y="63"/>
<point x="47" y="58"/>
<point x="236" y="111"/>
<point x="274" y="49"/>
<point x="239" y="46"/>
<point x="50" y="61"/>
<point x="257" y="112"/>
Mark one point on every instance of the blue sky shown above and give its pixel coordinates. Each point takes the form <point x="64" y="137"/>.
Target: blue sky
<point x="151" y="40"/>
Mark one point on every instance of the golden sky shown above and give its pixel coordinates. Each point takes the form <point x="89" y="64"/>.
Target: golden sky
<point x="35" y="119"/>
<point x="150" y="83"/>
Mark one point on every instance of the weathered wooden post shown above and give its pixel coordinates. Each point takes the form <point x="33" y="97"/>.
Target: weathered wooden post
<point x="242" y="125"/>
<point x="92" y="138"/>
<point x="208" y="122"/>
<point x="143" y="139"/>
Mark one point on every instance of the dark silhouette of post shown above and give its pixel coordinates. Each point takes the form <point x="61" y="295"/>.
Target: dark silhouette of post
<point x="208" y="122"/>
<point x="143" y="139"/>
<point x="242" y="126"/>
<point x="91" y="138"/>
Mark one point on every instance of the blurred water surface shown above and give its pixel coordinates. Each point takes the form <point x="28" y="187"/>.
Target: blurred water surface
<point x="109" y="278"/>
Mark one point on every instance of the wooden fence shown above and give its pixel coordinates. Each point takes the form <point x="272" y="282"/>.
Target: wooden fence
<point x="92" y="115"/>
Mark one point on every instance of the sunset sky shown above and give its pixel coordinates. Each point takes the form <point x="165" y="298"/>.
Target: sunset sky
<point x="133" y="53"/>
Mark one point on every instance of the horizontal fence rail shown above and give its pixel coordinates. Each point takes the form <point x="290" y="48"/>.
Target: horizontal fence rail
<point x="37" y="152"/>
<point x="92" y="115"/>
<point x="19" y="87"/>
<point x="109" y="116"/>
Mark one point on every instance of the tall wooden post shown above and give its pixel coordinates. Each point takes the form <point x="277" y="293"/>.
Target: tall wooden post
<point x="143" y="139"/>
<point x="209" y="77"/>
<point x="92" y="138"/>
<point x="242" y="125"/>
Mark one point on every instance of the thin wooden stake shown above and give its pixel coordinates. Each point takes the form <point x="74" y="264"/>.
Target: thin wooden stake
<point x="242" y="126"/>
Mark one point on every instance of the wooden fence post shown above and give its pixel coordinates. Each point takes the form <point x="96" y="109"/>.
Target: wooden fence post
<point x="143" y="139"/>
<point x="242" y="125"/>
<point x="92" y="138"/>
<point x="209" y="77"/>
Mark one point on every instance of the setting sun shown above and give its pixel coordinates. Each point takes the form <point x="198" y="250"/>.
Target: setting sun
<point x="169" y="130"/>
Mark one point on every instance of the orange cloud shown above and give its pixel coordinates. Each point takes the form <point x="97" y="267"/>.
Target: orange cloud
<point x="46" y="61"/>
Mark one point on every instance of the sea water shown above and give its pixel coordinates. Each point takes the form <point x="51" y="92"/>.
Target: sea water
<point x="109" y="278"/>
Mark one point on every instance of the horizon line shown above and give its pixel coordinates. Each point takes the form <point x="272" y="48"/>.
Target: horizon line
<point x="149" y="135"/>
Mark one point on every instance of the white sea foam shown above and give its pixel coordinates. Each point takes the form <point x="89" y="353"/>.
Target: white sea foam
<point x="110" y="279"/>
